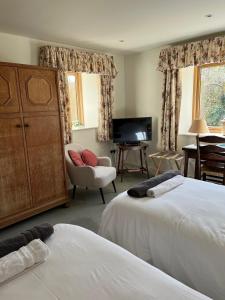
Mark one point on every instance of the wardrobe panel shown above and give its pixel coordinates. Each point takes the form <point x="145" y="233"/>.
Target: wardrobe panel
<point x="38" y="90"/>
<point x="14" y="187"/>
<point x="45" y="158"/>
<point x="9" y="102"/>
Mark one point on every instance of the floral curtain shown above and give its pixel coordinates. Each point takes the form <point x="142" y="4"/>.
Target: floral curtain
<point x="170" y="109"/>
<point x="105" y="116"/>
<point x="192" y="54"/>
<point x="171" y="60"/>
<point x="65" y="59"/>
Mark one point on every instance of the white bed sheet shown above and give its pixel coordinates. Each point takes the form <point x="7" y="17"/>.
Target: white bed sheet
<point x="84" y="266"/>
<point x="182" y="232"/>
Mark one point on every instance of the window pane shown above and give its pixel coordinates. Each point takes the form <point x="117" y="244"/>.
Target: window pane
<point x="72" y="94"/>
<point x="213" y="94"/>
<point x="84" y="94"/>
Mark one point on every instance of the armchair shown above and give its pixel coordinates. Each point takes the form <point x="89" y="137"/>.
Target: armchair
<point x="87" y="176"/>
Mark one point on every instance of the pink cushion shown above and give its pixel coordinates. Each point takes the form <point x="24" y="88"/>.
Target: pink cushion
<point x="89" y="158"/>
<point x="76" y="158"/>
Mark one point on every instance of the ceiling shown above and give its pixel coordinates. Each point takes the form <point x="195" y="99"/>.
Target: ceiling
<point x="101" y="24"/>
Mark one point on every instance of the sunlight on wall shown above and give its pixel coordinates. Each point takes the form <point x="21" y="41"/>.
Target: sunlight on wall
<point x="186" y="101"/>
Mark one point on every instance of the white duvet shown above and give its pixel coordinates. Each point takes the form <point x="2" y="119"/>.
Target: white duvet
<point x="84" y="266"/>
<point x="182" y="232"/>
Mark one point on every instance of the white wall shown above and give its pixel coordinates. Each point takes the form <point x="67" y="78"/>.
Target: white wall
<point x="143" y="88"/>
<point x="24" y="50"/>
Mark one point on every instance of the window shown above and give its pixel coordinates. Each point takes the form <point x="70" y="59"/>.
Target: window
<point x="84" y="94"/>
<point x="209" y="95"/>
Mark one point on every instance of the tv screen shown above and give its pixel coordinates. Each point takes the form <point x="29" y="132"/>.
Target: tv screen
<point x="132" y="130"/>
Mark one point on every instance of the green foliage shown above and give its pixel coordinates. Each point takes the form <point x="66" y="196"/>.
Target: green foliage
<point x="212" y="94"/>
<point x="214" y="115"/>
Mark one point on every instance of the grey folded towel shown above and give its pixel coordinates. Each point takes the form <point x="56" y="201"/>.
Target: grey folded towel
<point x="41" y="232"/>
<point x="140" y="190"/>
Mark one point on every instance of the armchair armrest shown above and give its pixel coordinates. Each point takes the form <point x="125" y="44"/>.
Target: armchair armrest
<point x="81" y="176"/>
<point x="104" y="161"/>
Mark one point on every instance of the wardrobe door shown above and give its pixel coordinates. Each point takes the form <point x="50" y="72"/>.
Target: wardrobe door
<point x="45" y="158"/>
<point x="14" y="188"/>
<point x="8" y="90"/>
<point x="38" y="90"/>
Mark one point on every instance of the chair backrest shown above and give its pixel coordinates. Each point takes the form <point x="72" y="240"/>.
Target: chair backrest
<point x="212" y="150"/>
<point x="211" y="139"/>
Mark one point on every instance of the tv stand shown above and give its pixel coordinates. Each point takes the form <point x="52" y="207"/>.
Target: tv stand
<point x="141" y="147"/>
<point x="130" y="144"/>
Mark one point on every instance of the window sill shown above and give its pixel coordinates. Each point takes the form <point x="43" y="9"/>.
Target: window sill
<point x="194" y="134"/>
<point x="83" y="128"/>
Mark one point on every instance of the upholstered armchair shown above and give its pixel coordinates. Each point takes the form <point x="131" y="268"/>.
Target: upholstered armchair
<point x="87" y="176"/>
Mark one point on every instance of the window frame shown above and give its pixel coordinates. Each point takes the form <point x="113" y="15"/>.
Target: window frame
<point x="196" y="109"/>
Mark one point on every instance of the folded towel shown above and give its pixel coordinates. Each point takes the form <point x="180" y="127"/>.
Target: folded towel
<point x="16" y="262"/>
<point x="165" y="186"/>
<point x="140" y="190"/>
<point x="41" y="232"/>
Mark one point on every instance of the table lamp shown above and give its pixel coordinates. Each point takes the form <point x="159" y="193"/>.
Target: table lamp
<point x="199" y="126"/>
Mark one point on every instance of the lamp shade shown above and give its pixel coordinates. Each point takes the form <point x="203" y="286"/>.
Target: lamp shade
<point x="199" y="126"/>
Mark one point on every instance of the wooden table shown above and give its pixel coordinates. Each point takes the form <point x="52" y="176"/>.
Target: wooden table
<point x="122" y="169"/>
<point x="190" y="151"/>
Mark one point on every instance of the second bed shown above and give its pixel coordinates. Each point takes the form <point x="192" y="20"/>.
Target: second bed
<point x="182" y="232"/>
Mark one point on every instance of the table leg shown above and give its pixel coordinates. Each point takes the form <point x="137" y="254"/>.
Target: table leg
<point x="186" y="161"/>
<point x="197" y="175"/>
<point x="118" y="165"/>
<point x="122" y="170"/>
<point x="141" y="159"/>
<point x="146" y="163"/>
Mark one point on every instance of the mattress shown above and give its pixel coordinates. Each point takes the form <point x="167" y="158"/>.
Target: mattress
<point x="83" y="266"/>
<point x="182" y="232"/>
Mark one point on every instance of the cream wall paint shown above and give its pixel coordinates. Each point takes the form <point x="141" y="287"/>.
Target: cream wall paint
<point x="143" y="88"/>
<point x="24" y="50"/>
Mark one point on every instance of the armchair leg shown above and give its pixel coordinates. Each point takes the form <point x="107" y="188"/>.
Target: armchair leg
<point x="114" y="186"/>
<point x="101" y="192"/>
<point x="74" y="191"/>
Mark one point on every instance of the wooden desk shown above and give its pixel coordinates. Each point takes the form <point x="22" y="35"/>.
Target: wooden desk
<point x="190" y="151"/>
<point x="121" y="169"/>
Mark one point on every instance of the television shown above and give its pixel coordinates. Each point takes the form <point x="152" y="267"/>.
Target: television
<point x="132" y="130"/>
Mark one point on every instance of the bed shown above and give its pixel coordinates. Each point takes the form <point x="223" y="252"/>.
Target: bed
<point x="182" y="232"/>
<point x="83" y="266"/>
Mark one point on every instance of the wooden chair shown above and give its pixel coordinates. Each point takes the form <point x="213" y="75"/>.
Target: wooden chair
<point x="211" y="158"/>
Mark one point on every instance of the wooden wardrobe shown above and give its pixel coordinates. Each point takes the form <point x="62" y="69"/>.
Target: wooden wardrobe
<point x="32" y="168"/>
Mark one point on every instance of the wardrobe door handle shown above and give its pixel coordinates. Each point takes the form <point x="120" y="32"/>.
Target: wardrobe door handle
<point x="26" y="125"/>
<point x="18" y="126"/>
